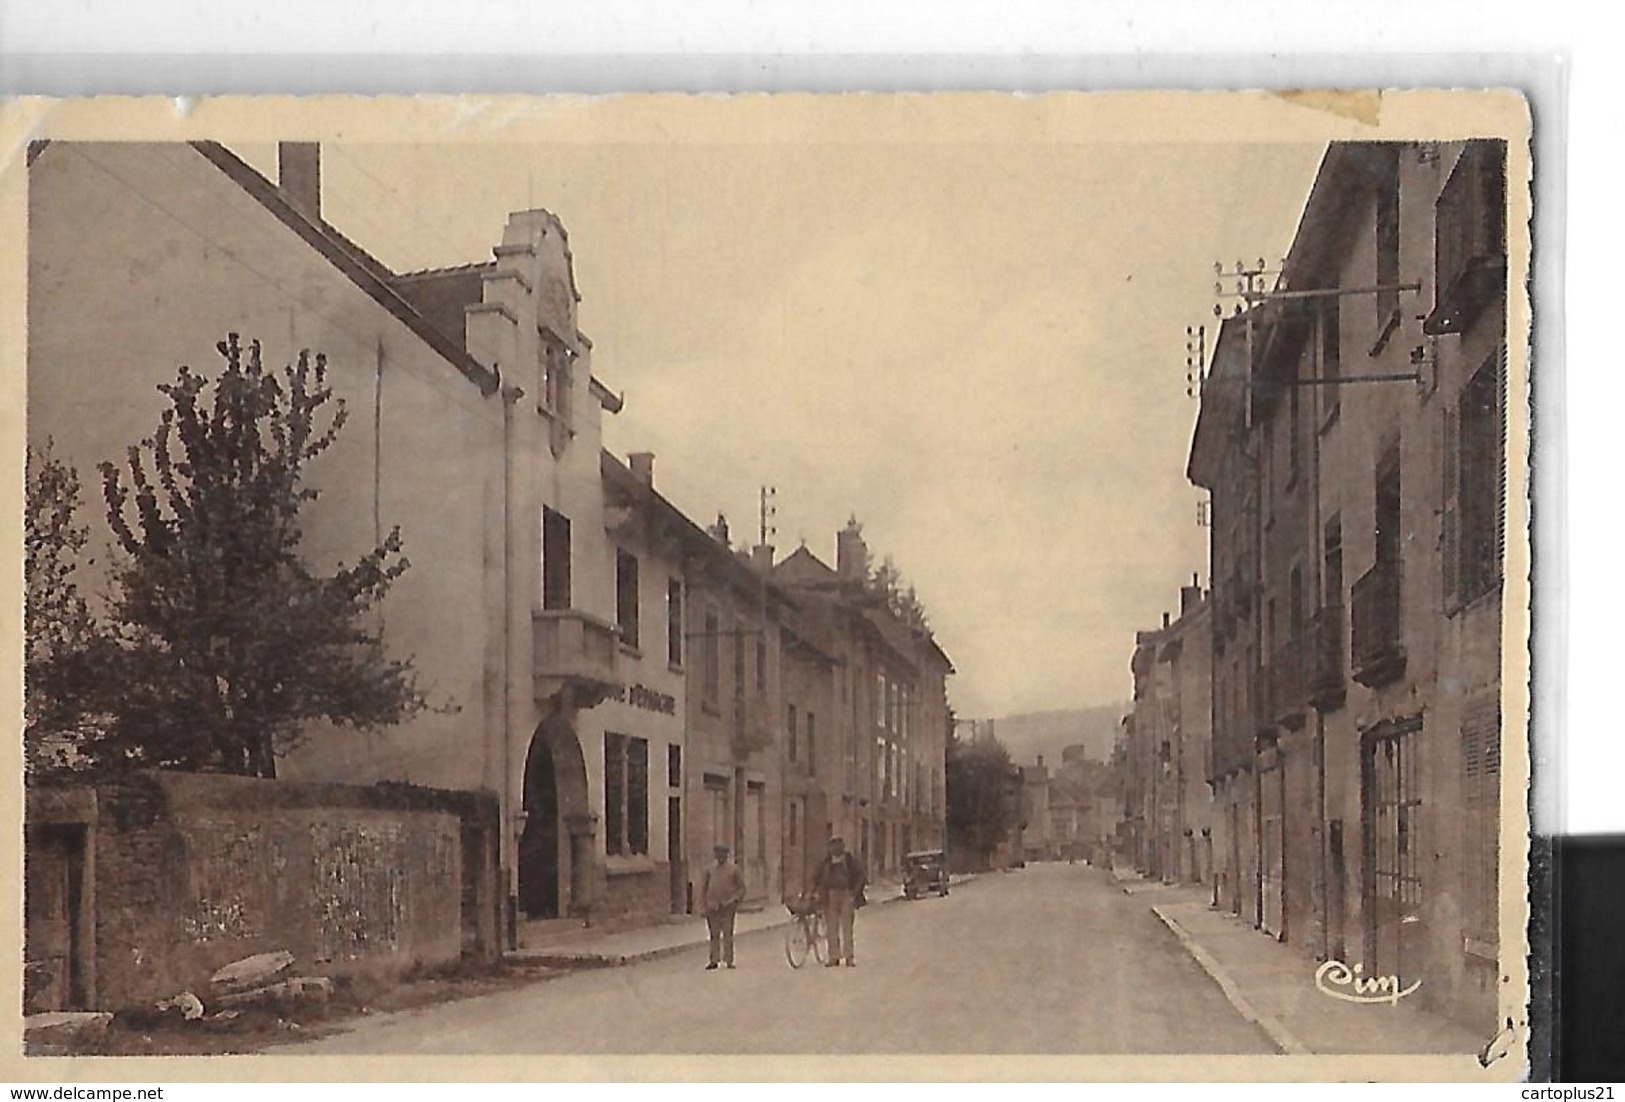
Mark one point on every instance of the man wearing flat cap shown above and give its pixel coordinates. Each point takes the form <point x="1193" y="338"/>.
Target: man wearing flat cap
<point x="722" y="890"/>
<point x="839" y="883"/>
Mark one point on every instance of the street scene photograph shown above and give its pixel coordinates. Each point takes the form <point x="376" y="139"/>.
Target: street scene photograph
<point x="821" y="576"/>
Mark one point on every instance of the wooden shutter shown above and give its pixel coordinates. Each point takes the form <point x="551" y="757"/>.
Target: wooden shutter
<point x="1501" y="460"/>
<point x="1449" y="518"/>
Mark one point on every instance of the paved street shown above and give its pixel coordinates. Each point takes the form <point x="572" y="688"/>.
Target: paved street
<point x="1053" y="959"/>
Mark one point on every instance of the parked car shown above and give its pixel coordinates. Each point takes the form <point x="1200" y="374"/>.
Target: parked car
<point x="926" y="871"/>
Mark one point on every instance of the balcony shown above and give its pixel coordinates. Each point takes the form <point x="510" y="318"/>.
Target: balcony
<point x="1326" y="635"/>
<point x="574" y="651"/>
<point x="752" y="728"/>
<point x="1285" y="686"/>
<point x="1378" y="652"/>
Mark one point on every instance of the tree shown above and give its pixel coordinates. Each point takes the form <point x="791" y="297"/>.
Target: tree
<point x="230" y="644"/>
<point x="977" y="773"/>
<point x="888" y="584"/>
<point x="61" y="638"/>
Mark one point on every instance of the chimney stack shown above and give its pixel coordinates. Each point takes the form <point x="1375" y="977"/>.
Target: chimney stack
<point x="851" y="553"/>
<point x="1190" y="595"/>
<point x="719" y="531"/>
<point x="761" y="557"/>
<point x="299" y="176"/>
<point x="1165" y="620"/>
<point x="643" y="467"/>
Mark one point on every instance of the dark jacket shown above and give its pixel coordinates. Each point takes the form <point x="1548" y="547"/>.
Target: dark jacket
<point x="845" y="872"/>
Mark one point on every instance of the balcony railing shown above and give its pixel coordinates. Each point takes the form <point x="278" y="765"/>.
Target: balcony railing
<point x="575" y="651"/>
<point x="1378" y="651"/>
<point x="1327" y="632"/>
<point x="1286" y="685"/>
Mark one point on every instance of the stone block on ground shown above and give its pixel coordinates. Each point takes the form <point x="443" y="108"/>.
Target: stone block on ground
<point x="67" y="1029"/>
<point x="254" y="971"/>
<point x="311" y="990"/>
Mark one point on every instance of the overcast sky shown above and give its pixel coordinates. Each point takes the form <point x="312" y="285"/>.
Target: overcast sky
<point x="978" y="350"/>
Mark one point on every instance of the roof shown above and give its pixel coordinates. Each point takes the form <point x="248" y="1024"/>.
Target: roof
<point x="696" y="542"/>
<point x="443" y="333"/>
<point x="1347" y="173"/>
<point x="354" y="262"/>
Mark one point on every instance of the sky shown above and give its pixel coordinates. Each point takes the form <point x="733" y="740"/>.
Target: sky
<point x="976" y="348"/>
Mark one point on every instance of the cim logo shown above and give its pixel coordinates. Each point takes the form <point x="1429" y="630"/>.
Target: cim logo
<point x="1338" y="980"/>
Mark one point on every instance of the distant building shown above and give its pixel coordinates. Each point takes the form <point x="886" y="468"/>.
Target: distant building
<point x="885" y="794"/>
<point x="1170" y="812"/>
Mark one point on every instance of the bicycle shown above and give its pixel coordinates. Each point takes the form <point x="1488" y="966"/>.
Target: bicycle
<point x="806" y="934"/>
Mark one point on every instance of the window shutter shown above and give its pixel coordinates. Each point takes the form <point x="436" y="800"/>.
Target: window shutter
<point x="1449" y="534"/>
<point x="1501" y="461"/>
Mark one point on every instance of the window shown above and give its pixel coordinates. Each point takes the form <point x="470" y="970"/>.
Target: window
<point x="555" y="560"/>
<point x="812" y="743"/>
<point x="1331" y="352"/>
<point x="1292" y="419"/>
<point x="674" y="622"/>
<point x="880" y="701"/>
<point x="626" y="795"/>
<point x="1387" y="227"/>
<point x="1294" y="604"/>
<point x="761" y="666"/>
<point x="1389" y="539"/>
<point x="554" y="393"/>
<point x="739" y="664"/>
<point x="626" y="596"/>
<point x="1474" y="520"/>
<point x="1470" y="245"/>
<point x="1332" y="563"/>
<point x="712" y="664"/>
<point x="674" y="766"/>
<point x="795" y="819"/>
<point x="790" y="720"/>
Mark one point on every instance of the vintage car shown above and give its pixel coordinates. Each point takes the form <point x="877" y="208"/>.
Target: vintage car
<point x="925" y="871"/>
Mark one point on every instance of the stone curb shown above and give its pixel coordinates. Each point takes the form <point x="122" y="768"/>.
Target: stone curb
<point x="1279" y="1035"/>
<point x="581" y="961"/>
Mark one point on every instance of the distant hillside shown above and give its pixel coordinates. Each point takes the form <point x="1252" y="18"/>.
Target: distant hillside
<point x="1048" y="733"/>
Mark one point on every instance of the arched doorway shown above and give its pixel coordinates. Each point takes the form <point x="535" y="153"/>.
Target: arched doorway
<point x="555" y="802"/>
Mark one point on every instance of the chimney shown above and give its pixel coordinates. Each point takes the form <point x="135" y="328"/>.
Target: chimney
<point x="1164" y="619"/>
<point x="1189" y="595"/>
<point x="299" y="176"/>
<point x="761" y="557"/>
<point x="643" y="467"/>
<point x="851" y="553"/>
<point x="719" y="531"/>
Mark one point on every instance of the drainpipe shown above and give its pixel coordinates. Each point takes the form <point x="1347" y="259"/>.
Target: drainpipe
<point x="1316" y="529"/>
<point x="508" y="857"/>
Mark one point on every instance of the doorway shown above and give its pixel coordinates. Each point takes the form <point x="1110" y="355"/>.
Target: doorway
<point x="539" y="843"/>
<point x="1393" y="880"/>
<point x="555" y="865"/>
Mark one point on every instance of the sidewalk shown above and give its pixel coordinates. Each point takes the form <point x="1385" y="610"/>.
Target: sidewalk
<point x="585" y="947"/>
<point x="1273" y="985"/>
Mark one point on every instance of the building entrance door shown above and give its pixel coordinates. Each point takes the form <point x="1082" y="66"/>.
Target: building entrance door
<point x="539" y="843"/>
<point x="1393" y="883"/>
<point x="53" y="969"/>
<point x="1273" y="824"/>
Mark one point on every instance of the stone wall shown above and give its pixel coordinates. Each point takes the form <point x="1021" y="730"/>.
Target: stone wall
<point x="191" y="872"/>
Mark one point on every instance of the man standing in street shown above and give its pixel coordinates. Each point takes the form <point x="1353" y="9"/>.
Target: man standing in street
<point x="839" y="884"/>
<point x="722" y="890"/>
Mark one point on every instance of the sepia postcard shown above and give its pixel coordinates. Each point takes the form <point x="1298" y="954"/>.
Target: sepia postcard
<point x="790" y="587"/>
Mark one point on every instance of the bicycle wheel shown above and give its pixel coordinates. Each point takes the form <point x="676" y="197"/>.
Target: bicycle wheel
<point x="820" y="942"/>
<point x="795" y="944"/>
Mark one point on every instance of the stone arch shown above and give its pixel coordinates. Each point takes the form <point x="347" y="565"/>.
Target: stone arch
<point x="556" y="851"/>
